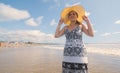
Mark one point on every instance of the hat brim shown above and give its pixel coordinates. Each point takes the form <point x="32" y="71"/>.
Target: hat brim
<point x="79" y="9"/>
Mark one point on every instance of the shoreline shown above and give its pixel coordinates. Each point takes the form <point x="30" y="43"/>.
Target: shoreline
<point x="99" y="63"/>
<point x="45" y="60"/>
<point x="18" y="44"/>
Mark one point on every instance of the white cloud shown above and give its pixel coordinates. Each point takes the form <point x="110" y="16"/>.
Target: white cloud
<point x="117" y="22"/>
<point x="31" y="22"/>
<point x="56" y="1"/>
<point x="116" y="33"/>
<point x="95" y="31"/>
<point x="8" y="13"/>
<point x="53" y="22"/>
<point x="56" y="4"/>
<point x="39" y="19"/>
<point x="87" y="13"/>
<point x="78" y="3"/>
<point x="106" y="34"/>
<point x="28" y="35"/>
<point x="34" y="22"/>
<point x="68" y="5"/>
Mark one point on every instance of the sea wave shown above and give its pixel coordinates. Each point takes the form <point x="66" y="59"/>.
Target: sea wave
<point x="106" y="49"/>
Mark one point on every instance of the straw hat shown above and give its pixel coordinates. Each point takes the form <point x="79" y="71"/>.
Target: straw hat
<point x="77" y="8"/>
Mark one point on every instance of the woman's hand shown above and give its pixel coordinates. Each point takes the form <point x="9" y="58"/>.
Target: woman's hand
<point x="85" y="18"/>
<point x="59" y="32"/>
<point x="87" y="29"/>
<point x="60" y="21"/>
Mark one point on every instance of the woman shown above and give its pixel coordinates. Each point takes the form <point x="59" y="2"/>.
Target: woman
<point x="75" y="56"/>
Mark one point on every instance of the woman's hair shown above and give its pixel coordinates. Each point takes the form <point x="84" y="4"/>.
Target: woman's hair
<point x="77" y="22"/>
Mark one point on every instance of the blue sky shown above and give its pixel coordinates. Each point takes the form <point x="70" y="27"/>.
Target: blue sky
<point x="36" y="20"/>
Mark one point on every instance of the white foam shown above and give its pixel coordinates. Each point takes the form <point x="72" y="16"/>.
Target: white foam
<point x="107" y="49"/>
<point x="54" y="47"/>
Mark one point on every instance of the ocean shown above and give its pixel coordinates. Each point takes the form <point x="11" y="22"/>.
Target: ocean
<point x="103" y="58"/>
<point x="106" y="49"/>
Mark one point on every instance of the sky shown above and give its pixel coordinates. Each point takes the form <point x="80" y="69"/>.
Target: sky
<point x="36" y="20"/>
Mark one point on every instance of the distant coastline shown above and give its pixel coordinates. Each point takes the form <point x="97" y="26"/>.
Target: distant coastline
<point x="23" y="44"/>
<point x="17" y="44"/>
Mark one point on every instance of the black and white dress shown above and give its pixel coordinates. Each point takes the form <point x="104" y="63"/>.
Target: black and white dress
<point x="75" y="55"/>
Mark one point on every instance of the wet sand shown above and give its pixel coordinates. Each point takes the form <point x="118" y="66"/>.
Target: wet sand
<point x="38" y="59"/>
<point x="99" y="63"/>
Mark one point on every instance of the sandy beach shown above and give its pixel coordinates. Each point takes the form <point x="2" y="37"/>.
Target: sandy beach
<point x="103" y="63"/>
<point x="41" y="59"/>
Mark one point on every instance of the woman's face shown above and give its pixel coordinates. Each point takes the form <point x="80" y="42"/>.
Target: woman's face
<point x="72" y="16"/>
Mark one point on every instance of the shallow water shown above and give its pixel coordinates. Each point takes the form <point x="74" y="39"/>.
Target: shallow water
<point x="106" y="49"/>
<point x="29" y="60"/>
<point x="45" y="59"/>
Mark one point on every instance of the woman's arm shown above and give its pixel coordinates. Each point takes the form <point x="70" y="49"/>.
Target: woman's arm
<point x="87" y="30"/>
<point x="59" y="32"/>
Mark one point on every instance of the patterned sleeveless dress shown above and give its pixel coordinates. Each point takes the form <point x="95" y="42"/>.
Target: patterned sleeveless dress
<point x="75" y="55"/>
